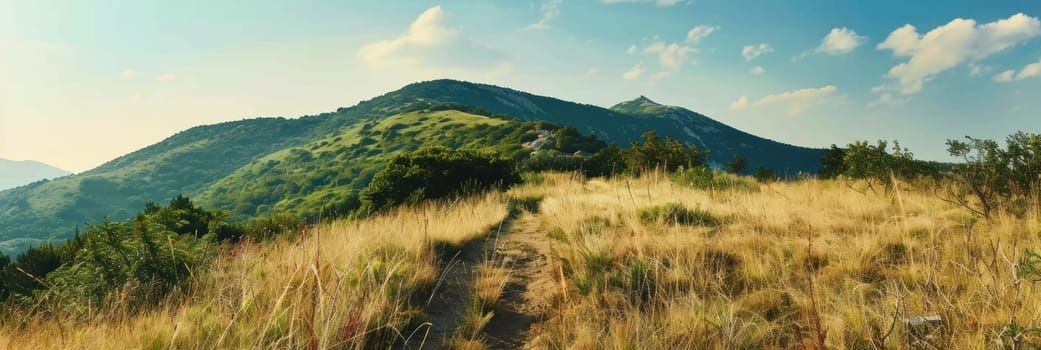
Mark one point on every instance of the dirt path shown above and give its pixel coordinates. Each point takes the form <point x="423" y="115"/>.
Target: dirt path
<point x="525" y="252"/>
<point x="526" y="297"/>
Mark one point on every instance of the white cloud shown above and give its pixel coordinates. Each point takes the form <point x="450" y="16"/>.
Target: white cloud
<point x="1028" y="71"/>
<point x="431" y="48"/>
<point x="793" y="102"/>
<point x="1005" y="76"/>
<point x="887" y="100"/>
<point x="592" y="72"/>
<point x="633" y="73"/>
<point x="740" y="103"/>
<point x="662" y="3"/>
<point x="128" y="74"/>
<point x="699" y="32"/>
<point x="757" y="70"/>
<point x="670" y="56"/>
<point x="752" y="51"/>
<point x="951" y="45"/>
<point x="976" y="69"/>
<point x="550" y="10"/>
<point x="840" y="41"/>
<point x="167" y="77"/>
<point x="632" y="50"/>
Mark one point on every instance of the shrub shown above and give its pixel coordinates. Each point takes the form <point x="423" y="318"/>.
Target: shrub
<point x="668" y="154"/>
<point x="143" y="258"/>
<point x="674" y="213"/>
<point x="703" y="177"/>
<point x="436" y="172"/>
<point x="992" y="178"/>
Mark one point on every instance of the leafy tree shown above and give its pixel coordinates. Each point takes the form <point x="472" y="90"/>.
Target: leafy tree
<point x="833" y="163"/>
<point x="764" y="174"/>
<point x="737" y="165"/>
<point x="878" y="167"/>
<point x="668" y="154"/>
<point x="992" y="178"/>
<point x="607" y="161"/>
<point x="26" y="274"/>
<point x="436" y="172"/>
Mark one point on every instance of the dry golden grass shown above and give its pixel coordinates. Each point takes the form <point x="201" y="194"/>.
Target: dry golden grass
<point x="343" y="285"/>
<point x="789" y="266"/>
<point x="875" y="261"/>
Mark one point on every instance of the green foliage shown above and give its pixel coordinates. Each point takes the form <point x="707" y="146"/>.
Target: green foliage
<point x="763" y="174"/>
<point x="25" y="275"/>
<point x="675" y="213"/>
<point x="994" y="178"/>
<point x="737" y="165"/>
<point x="703" y="177"/>
<point x="1029" y="267"/>
<point x="833" y="163"/>
<point x="878" y="167"/>
<point x="436" y="172"/>
<point x="143" y="259"/>
<point x="668" y="154"/>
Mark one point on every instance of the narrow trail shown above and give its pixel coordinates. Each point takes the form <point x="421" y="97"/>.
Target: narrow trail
<point x="519" y="248"/>
<point x="526" y="253"/>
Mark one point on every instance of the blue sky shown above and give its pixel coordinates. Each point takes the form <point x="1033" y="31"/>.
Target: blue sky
<point x="82" y="83"/>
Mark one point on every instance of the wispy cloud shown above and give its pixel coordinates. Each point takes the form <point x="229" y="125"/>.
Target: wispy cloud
<point x="958" y="42"/>
<point x="430" y="47"/>
<point x="840" y="41"/>
<point x="550" y="10"/>
<point x="127" y="74"/>
<point x="793" y="102"/>
<point x="167" y="77"/>
<point x="1028" y="71"/>
<point x="700" y="32"/>
<point x="757" y="70"/>
<point x="750" y="52"/>
<point x="662" y="3"/>
<point x="633" y="73"/>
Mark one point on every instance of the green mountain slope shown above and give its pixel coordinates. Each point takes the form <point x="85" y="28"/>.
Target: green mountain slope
<point x="622" y="123"/>
<point x="312" y="163"/>
<point x="327" y="174"/>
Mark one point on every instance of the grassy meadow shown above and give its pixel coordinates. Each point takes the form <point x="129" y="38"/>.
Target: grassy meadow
<point x="624" y="263"/>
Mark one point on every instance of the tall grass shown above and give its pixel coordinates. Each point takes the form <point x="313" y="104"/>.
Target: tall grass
<point x="346" y="284"/>
<point x="803" y="264"/>
<point x="876" y="261"/>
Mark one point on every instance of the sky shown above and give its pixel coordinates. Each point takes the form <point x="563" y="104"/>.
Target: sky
<point x="84" y="82"/>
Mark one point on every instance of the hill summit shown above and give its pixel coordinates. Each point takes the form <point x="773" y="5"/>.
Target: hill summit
<point x="258" y="166"/>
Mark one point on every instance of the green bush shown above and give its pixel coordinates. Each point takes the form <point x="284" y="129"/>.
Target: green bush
<point x="142" y="259"/>
<point x="994" y="178"/>
<point x="675" y="213"/>
<point x="704" y="178"/>
<point x="436" y="172"/>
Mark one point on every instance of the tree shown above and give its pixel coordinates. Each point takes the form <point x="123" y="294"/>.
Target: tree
<point x="878" y="167"/>
<point x="668" y="154"/>
<point x="764" y="174"/>
<point x="436" y="172"/>
<point x="832" y="163"/>
<point x="737" y="165"/>
<point x="992" y="178"/>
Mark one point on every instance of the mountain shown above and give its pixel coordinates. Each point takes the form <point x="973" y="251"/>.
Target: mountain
<point x="23" y="172"/>
<point x="313" y="163"/>
<point x="622" y="123"/>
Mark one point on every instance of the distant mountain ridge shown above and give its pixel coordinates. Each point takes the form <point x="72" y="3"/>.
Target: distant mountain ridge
<point x="14" y="173"/>
<point x="214" y="162"/>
